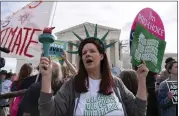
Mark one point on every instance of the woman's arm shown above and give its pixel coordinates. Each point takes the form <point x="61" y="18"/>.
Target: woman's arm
<point x="58" y="105"/>
<point x="72" y="69"/>
<point x="12" y="94"/>
<point x="136" y="106"/>
<point x="49" y="105"/>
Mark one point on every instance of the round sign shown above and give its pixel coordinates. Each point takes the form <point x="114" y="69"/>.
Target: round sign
<point x="148" y="18"/>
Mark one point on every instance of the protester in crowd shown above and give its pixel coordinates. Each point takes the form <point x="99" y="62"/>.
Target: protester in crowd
<point x="157" y="77"/>
<point x="164" y="74"/>
<point x="14" y="77"/>
<point x="25" y="71"/>
<point x="160" y="78"/>
<point x="91" y="86"/>
<point x="164" y="95"/>
<point x="29" y="104"/>
<point x="167" y="61"/>
<point x="11" y="76"/>
<point x="3" y="75"/>
<point x="5" y="84"/>
<point x="129" y="78"/>
<point x="152" y="104"/>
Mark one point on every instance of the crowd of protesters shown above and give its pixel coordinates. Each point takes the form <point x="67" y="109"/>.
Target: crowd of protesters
<point x="134" y="92"/>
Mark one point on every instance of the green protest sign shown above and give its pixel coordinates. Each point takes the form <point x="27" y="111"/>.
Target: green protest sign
<point x="56" y="50"/>
<point x="147" y="47"/>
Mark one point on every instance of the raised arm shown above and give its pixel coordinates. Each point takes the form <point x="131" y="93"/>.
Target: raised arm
<point x="57" y="105"/>
<point x="136" y="106"/>
<point x="72" y="69"/>
<point x="49" y="105"/>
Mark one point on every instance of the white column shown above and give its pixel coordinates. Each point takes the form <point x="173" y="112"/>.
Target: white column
<point x="108" y="52"/>
<point x="69" y="49"/>
<point x="116" y="51"/>
<point x="74" y="48"/>
<point x="77" y="56"/>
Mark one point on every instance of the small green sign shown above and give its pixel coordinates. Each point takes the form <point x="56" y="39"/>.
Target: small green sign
<point x="56" y="50"/>
<point x="147" y="47"/>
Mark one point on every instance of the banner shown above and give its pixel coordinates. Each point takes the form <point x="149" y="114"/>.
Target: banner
<point x="56" y="50"/>
<point x="173" y="88"/>
<point x="20" y="31"/>
<point x="149" y="19"/>
<point x="147" y="47"/>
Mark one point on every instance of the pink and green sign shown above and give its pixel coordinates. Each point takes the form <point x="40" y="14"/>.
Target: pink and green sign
<point x="148" y="40"/>
<point x="148" y="18"/>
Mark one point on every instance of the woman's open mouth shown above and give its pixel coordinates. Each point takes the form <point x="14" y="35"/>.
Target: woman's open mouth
<point x="89" y="61"/>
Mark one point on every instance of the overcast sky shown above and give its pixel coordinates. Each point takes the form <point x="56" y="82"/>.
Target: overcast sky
<point x="118" y="15"/>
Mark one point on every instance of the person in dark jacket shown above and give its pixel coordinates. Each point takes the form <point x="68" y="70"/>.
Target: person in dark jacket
<point x="164" y="74"/>
<point x="164" y="95"/>
<point x="29" y="103"/>
<point x="5" y="84"/>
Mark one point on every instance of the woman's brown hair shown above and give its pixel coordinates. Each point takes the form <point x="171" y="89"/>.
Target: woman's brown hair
<point x="129" y="78"/>
<point x="24" y="72"/>
<point x="81" y="79"/>
<point x="170" y="65"/>
<point x="66" y="72"/>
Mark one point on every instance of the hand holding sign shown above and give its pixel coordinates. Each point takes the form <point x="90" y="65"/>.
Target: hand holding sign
<point x="52" y="47"/>
<point x="64" y="55"/>
<point x="45" y="67"/>
<point x="170" y="95"/>
<point x="142" y="71"/>
<point x="173" y="91"/>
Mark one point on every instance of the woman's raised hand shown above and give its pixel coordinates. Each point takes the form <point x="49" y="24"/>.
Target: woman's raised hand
<point x="45" y="67"/>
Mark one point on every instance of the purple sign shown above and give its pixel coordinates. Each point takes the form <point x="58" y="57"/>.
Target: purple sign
<point x="150" y="20"/>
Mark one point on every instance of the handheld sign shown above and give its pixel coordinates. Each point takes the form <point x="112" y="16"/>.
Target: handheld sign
<point x="147" y="40"/>
<point x="147" y="47"/>
<point x="173" y="88"/>
<point x="148" y="18"/>
<point x="56" y="50"/>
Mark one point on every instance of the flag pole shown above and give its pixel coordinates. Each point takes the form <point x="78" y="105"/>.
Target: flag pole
<point x="53" y="13"/>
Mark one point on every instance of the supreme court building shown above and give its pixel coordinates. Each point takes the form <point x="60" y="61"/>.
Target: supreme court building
<point x="113" y="52"/>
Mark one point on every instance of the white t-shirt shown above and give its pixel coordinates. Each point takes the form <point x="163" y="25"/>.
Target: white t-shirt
<point x="96" y="104"/>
